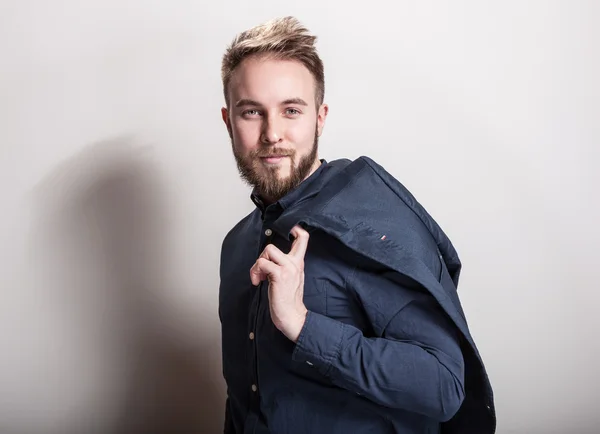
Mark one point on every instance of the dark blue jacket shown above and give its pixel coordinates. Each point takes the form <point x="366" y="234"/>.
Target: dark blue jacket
<point x="369" y="213"/>
<point x="345" y="209"/>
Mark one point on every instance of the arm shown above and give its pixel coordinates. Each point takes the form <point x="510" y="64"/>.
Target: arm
<point x="414" y="363"/>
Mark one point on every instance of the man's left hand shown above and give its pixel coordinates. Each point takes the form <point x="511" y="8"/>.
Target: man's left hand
<point x="285" y="273"/>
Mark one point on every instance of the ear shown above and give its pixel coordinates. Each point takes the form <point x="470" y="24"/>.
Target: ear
<point x="225" y="116"/>
<point x="321" y="117"/>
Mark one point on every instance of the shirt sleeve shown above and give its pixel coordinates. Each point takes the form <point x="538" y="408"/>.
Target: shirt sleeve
<point x="414" y="360"/>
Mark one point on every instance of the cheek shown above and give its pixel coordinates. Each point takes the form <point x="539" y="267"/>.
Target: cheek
<point x="245" y="135"/>
<point x="302" y="135"/>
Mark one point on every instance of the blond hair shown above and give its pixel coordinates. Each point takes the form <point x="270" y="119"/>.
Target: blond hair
<point x="282" y="38"/>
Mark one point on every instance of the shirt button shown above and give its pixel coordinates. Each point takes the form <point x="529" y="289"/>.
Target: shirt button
<point x="254" y="388"/>
<point x="268" y="232"/>
<point x="251" y="336"/>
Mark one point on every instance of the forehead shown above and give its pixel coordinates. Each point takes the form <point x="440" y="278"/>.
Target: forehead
<point x="270" y="81"/>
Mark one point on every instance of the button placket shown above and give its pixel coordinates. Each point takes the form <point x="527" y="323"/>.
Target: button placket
<point x="268" y="233"/>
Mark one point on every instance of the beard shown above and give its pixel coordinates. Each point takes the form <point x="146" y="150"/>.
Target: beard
<point x="265" y="179"/>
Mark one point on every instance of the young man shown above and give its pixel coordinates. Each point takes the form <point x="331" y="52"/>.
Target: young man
<point x="338" y="296"/>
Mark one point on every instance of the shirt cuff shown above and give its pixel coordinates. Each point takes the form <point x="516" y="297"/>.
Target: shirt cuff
<point x="319" y="342"/>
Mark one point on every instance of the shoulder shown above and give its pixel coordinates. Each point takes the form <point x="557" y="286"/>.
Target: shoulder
<point x="357" y="173"/>
<point x="368" y="167"/>
<point x="364" y="184"/>
<point x="371" y="200"/>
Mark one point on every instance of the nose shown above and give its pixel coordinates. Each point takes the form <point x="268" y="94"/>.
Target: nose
<point x="272" y="131"/>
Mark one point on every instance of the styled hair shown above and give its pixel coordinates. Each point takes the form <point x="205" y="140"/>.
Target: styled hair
<point x="282" y="38"/>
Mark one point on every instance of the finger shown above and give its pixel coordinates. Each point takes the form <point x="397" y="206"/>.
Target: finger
<point x="262" y="270"/>
<point x="300" y="243"/>
<point x="273" y="254"/>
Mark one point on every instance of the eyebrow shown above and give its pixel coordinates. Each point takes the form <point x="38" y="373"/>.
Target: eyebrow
<point x="246" y="102"/>
<point x="250" y="102"/>
<point x="297" y="101"/>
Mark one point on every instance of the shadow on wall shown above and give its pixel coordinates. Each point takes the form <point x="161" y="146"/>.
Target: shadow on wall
<point x="105" y="224"/>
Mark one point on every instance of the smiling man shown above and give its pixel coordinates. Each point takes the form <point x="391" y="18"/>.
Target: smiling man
<point x="337" y="300"/>
<point x="275" y="112"/>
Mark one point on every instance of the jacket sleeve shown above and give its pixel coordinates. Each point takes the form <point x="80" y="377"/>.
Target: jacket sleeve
<point x="412" y="361"/>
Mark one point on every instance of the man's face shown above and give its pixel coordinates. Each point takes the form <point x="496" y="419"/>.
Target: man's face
<point x="274" y="124"/>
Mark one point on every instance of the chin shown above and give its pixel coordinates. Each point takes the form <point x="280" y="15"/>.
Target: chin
<point x="283" y="174"/>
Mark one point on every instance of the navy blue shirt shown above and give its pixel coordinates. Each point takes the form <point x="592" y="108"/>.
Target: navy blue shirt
<point x="373" y="356"/>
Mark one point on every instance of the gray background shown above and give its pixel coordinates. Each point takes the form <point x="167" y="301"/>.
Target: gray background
<point x="487" y="111"/>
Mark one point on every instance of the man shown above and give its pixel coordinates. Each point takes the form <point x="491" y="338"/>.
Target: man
<point x="337" y="300"/>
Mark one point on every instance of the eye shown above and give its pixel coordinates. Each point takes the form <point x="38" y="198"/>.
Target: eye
<point x="250" y="112"/>
<point x="292" y="112"/>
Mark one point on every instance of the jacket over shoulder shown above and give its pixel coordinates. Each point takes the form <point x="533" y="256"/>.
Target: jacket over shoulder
<point x="373" y="214"/>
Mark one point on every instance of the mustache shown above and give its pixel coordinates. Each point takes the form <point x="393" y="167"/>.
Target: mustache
<point x="275" y="152"/>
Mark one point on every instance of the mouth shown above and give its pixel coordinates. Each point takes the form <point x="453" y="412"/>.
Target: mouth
<point x="273" y="159"/>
